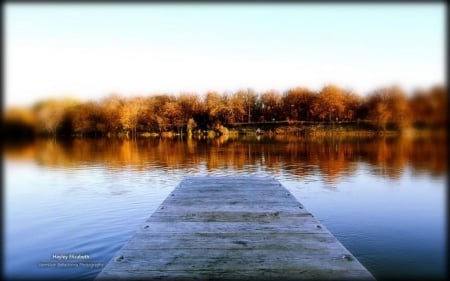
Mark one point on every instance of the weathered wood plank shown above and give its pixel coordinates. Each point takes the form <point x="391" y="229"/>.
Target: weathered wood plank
<point x="233" y="228"/>
<point x="253" y="274"/>
<point x="230" y="185"/>
<point x="235" y="206"/>
<point x="224" y="180"/>
<point x="282" y="225"/>
<point x="237" y="259"/>
<point x="233" y="241"/>
<point x="227" y="193"/>
<point x="232" y="201"/>
<point x="224" y="216"/>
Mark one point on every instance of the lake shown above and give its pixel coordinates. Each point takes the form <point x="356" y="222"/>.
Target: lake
<point x="383" y="198"/>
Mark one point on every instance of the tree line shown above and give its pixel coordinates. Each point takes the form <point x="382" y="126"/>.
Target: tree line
<point x="116" y="115"/>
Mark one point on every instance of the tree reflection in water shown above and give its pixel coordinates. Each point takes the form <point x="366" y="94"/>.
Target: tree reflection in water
<point x="331" y="157"/>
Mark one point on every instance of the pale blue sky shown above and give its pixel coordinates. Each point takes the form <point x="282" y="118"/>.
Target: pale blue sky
<point x="89" y="51"/>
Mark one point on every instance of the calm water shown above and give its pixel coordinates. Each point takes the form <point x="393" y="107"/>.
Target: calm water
<point x="384" y="198"/>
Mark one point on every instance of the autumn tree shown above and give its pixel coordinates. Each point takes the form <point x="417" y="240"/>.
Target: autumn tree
<point x="191" y="125"/>
<point x="216" y="107"/>
<point x="229" y="112"/>
<point x="191" y="107"/>
<point x="88" y="119"/>
<point x="49" y="114"/>
<point x="297" y="103"/>
<point x="421" y="109"/>
<point x="147" y="119"/>
<point x="352" y="104"/>
<point x="249" y="98"/>
<point x="329" y="104"/>
<point x="237" y="106"/>
<point x="129" y="114"/>
<point x="429" y="107"/>
<point x="174" y="115"/>
<point x="18" y="123"/>
<point x="271" y="104"/>
<point x="379" y="113"/>
<point x="438" y="95"/>
<point x="398" y="106"/>
<point x="111" y="109"/>
<point x="159" y="117"/>
<point x="388" y="105"/>
<point x="80" y="119"/>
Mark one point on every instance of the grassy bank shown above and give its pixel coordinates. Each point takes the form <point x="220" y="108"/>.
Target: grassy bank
<point x="299" y="128"/>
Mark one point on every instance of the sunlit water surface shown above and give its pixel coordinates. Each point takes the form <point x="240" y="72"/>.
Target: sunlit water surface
<point x="384" y="199"/>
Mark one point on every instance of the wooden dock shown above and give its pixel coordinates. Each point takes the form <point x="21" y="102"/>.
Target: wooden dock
<point x="233" y="228"/>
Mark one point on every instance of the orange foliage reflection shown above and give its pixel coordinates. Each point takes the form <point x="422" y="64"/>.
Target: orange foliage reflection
<point x="331" y="157"/>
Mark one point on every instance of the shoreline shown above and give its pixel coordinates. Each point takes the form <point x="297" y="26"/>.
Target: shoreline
<point x="233" y="133"/>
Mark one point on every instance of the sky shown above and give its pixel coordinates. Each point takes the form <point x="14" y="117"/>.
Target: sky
<point x="89" y="51"/>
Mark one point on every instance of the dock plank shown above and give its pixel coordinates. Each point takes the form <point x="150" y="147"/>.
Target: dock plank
<point x="233" y="228"/>
<point x="262" y="274"/>
<point x="308" y="226"/>
<point x="238" y="259"/>
<point x="237" y="207"/>
<point x="225" y="216"/>
<point x="233" y="241"/>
